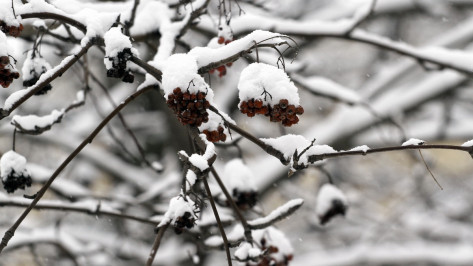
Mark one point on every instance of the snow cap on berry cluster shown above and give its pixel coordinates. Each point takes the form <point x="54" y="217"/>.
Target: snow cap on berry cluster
<point x="12" y="163"/>
<point x="7" y="15"/>
<point x="178" y="206"/>
<point x="180" y="71"/>
<point x="32" y="66"/>
<point x="274" y="238"/>
<point x="267" y="83"/>
<point x="238" y="176"/>
<point x="115" y="42"/>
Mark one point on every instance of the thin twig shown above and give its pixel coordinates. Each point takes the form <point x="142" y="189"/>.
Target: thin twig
<point x="219" y="222"/>
<point x="235" y="208"/>
<point x="428" y="169"/>
<point x="157" y="242"/>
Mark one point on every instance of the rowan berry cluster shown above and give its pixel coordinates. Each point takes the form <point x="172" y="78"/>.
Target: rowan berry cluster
<point x="15" y="181"/>
<point x="281" y="112"/>
<point x="244" y="199"/>
<point x="268" y="260"/>
<point x="7" y="72"/>
<point x="119" y="68"/>
<point x="10" y="30"/>
<point x="190" y="108"/>
<point x="215" y="135"/>
<point x="182" y="222"/>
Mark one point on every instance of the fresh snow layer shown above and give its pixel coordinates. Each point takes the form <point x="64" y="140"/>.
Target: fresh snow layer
<point x="468" y="143"/>
<point x="363" y="148"/>
<point x="32" y="122"/>
<point x="289" y="143"/>
<point x="12" y="162"/>
<point x="281" y="211"/>
<point x="413" y="141"/>
<point x="178" y="206"/>
<point x="266" y="83"/>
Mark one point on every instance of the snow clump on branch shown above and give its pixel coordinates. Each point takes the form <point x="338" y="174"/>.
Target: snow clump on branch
<point x="181" y="214"/>
<point x="118" y="51"/>
<point x="13" y="172"/>
<point x="267" y="90"/>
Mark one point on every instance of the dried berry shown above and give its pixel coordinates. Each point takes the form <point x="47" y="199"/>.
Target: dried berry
<point x="182" y="222"/>
<point x="244" y="199"/>
<point x="119" y="66"/>
<point x="11" y="30"/>
<point x="7" y="71"/>
<point x="190" y="108"/>
<point x="282" y="112"/>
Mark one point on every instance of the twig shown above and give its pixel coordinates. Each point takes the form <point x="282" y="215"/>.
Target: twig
<point x="157" y="242"/>
<point x="131" y="22"/>
<point x="240" y="216"/>
<point x="428" y="169"/>
<point x="11" y="231"/>
<point x="217" y="217"/>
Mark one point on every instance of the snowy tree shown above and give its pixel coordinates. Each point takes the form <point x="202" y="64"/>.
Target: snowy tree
<point x="244" y="132"/>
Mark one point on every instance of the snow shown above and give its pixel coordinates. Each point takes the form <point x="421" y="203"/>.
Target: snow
<point x="201" y="161"/>
<point x="279" y="213"/>
<point x="468" y="143"/>
<point x="6" y="14"/>
<point x="276" y="238"/>
<point x="247" y="251"/>
<point x="266" y="83"/>
<point x="33" y="122"/>
<point x="115" y="42"/>
<point x="290" y="143"/>
<point x="413" y="141"/>
<point x="327" y="194"/>
<point x="12" y="163"/>
<point x="180" y="71"/>
<point x="363" y="148"/>
<point x="178" y="206"/>
<point x="190" y="179"/>
<point x="238" y="176"/>
<point x="206" y="55"/>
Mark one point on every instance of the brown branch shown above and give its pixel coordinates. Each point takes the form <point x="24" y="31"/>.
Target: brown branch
<point x="235" y="208"/>
<point x="217" y="217"/>
<point x="72" y="208"/>
<point x="11" y="231"/>
<point x="157" y="242"/>
<point x="54" y="16"/>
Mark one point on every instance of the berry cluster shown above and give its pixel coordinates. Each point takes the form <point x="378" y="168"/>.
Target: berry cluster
<point x="281" y="112"/>
<point x="190" y="108"/>
<point x="119" y="69"/>
<point x="268" y="260"/>
<point x="15" y="181"/>
<point x="182" y="222"/>
<point x="7" y="73"/>
<point x="244" y="199"/>
<point x="10" y="30"/>
<point x="215" y="135"/>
